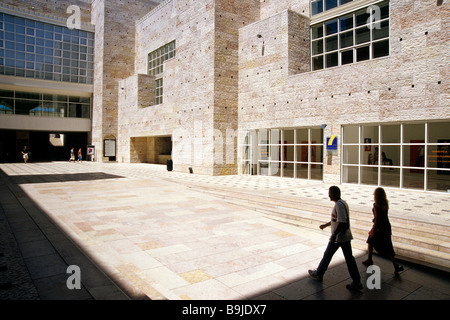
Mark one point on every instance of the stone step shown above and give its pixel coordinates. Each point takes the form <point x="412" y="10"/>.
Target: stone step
<point x="413" y="239"/>
<point x="362" y="215"/>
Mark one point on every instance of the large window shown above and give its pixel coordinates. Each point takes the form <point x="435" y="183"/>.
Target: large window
<point x="156" y="61"/>
<point x="43" y="104"/>
<point x="292" y="153"/>
<point x="409" y="155"/>
<point x="354" y="37"/>
<point x="35" y="49"/>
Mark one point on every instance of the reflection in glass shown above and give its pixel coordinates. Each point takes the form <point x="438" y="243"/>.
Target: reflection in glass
<point x="390" y="177"/>
<point x="275" y="169"/>
<point x="438" y="180"/>
<point x="413" y="178"/>
<point x="288" y="170"/>
<point x="414" y="156"/>
<point x="350" y="174"/>
<point x="414" y="133"/>
<point x="390" y="133"/>
<point x="302" y="153"/>
<point x="438" y="132"/>
<point x="316" y="172"/>
<point x="350" y="154"/>
<point x="369" y="175"/>
<point x="302" y="171"/>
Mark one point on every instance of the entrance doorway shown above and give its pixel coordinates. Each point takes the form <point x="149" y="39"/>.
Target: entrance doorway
<point x="40" y="146"/>
<point x="155" y="150"/>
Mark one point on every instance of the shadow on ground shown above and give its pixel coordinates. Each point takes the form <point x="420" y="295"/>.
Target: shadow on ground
<point x="35" y="253"/>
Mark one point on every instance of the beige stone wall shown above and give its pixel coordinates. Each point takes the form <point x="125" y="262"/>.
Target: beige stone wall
<point x="200" y="83"/>
<point x="272" y="7"/>
<point x="411" y="84"/>
<point x="229" y="17"/>
<point x="114" y="61"/>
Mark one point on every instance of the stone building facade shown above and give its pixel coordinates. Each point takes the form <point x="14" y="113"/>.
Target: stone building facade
<point x="262" y="87"/>
<point x="341" y="91"/>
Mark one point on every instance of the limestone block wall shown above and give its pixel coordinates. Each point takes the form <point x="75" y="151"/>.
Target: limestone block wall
<point x="187" y="109"/>
<point x="409" y="85"/>
<point x="272" y="7"/>
<point x="114" y="61"/>
<point x="200" y="82"/>
<point x="134" y="93"/>
<point x="229" y="17"/>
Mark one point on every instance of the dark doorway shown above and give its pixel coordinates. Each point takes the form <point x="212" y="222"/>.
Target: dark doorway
<point x="39" y="146"/>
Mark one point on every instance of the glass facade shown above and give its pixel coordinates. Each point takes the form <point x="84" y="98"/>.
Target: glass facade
<point x="43" y="104"/>
<point x="353" y="37"/>
<point x="291" y="153"/>
<point x="409" y="155"/>
<point x="39" y="50"/>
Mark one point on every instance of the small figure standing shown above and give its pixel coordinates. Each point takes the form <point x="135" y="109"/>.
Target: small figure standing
<point x="25" y="154"/>
<point x="72" y="155"/>
<point x="380" y="234"/>
<point x="80" y="156"/>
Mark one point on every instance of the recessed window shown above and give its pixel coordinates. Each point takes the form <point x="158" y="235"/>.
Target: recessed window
<point x="159" y="91"/>
<point x="157" y="58"/>
<point x="318" y="6"/>
<point x="354" y="37"/>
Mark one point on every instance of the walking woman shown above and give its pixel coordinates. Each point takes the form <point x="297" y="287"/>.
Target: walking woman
<point x="380" y="235"/>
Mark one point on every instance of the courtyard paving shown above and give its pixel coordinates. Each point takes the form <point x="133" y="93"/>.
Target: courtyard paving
<point x="138" y="231"/>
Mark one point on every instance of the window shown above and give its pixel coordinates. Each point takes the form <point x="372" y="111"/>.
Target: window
<point x="354" y="37"/>
<point x="318" y="6"/>
<point x="34" y="49"/>
<point x="158" y="91"/>
<point x="44" y="104"/>
<point x="159" y="56"/>
<point x="291" y="153"/>
<point x="409" y="155"/>
<point x="156" y="61"/>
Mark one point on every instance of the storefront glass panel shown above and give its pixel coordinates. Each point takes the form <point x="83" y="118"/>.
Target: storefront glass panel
<point x="409" y="155"/>
<point x="390" y="177"/>
<point x="369" y="175"/>
<point x="413" y="179"/>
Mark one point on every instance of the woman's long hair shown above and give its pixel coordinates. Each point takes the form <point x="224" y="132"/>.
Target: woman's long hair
<point x="381" y="199"/>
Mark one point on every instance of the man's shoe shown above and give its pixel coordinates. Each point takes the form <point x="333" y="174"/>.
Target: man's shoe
<point x="355" y="286"/>
<point x="313" y="274"/>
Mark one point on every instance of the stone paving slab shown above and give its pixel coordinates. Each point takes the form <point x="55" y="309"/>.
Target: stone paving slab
<point x="160" y="238"/>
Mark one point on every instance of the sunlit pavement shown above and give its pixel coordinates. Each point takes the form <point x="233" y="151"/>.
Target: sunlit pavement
<point x="137" y="231"/>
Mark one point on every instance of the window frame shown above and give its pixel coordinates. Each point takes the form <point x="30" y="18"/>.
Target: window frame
<point x="323" y="56"/>
<point x="405" y="170"/>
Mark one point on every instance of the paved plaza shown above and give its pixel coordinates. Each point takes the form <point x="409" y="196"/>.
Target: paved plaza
<point x="137" y="231"/>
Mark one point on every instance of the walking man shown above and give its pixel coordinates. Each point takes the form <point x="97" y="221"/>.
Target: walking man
<point x="341" y="237"/>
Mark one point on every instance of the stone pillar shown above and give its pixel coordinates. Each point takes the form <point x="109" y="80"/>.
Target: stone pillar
<point x="114" y="22"/>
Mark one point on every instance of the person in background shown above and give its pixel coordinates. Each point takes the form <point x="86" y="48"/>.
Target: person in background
<point x="72" y="155"/>
<point x="25" y="154"/>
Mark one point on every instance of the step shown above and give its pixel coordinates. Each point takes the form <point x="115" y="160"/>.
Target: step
<point x="418" y="240"/>
<point x="322" y="211"/>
